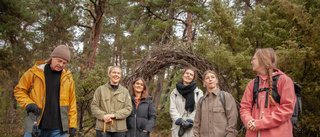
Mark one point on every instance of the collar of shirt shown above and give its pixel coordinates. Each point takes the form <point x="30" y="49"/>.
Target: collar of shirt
<point x="215" y="92"/>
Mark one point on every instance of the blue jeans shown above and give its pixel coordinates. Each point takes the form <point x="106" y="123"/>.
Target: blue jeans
<point x="48" y="133"/>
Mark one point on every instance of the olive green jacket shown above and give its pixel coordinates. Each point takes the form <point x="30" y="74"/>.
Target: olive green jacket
<point x="107" y="101"/>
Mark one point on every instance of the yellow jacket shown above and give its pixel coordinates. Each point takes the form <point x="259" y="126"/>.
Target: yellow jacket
<point x="32" y="89"/>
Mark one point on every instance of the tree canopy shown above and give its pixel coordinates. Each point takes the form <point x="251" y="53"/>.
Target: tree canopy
<point x="156" y="39"/>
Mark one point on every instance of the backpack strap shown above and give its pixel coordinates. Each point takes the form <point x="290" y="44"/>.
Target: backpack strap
<point x="255" y="91"/>
<point x="297" y="90"/>
<point x="222" y="99"/>
<point x="299" y="103"/>
<point x="275" y="94"/>
<point x="201" y="101"/>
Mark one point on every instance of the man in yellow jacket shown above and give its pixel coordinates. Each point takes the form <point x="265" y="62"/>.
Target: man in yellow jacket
<point x="47" y="93"/>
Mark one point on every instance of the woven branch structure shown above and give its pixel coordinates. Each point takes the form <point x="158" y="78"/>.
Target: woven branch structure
<point x="162" y="57"/>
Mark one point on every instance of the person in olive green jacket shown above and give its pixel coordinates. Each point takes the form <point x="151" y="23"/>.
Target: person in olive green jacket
<point x="111" y="102"/>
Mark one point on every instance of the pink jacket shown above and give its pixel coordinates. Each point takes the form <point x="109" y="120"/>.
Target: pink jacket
<point x="275" y="120"/>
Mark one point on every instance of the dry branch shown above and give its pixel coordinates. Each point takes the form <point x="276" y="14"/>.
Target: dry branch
<point x="163" y="57"/>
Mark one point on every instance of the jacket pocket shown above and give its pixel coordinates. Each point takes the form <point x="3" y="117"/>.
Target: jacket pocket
<point x="103" y="104"/>
<point x="219" y="115"/>
<point x="120" y="124"/>
<point x="144" y="134"/>
<point x="120" y="103"/>
<point x="141" y="123"/>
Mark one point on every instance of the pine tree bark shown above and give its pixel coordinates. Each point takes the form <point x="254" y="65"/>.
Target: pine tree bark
<point x="95" y="33"/>
<point x="159" y="89"/>
<point x="189" y="30"/>
<point x="164" y="100"/>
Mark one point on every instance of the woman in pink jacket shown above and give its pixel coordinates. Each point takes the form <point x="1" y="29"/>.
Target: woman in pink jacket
<point x="264" y="117"/>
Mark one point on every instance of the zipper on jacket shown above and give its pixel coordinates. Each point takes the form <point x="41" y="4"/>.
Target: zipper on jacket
<point x="64" y="80"/>
<point x="135" y="125"/>
<point x="43" y="97"/>
<point x="135" y="119"/>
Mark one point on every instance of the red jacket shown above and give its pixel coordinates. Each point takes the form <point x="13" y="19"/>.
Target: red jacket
<point x="275" y="120"/>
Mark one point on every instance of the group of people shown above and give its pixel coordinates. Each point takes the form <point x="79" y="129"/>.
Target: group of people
<point x="194" y="114"/>
<point x="125" y="113"/>
<point x="47" y="92"/>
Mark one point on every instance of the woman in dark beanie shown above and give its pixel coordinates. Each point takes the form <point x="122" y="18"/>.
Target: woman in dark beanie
<point x="183" y="100"/>
<point x="143" y="115"/>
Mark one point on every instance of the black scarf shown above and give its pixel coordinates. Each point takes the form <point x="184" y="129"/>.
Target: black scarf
<point x="187" y="91"/>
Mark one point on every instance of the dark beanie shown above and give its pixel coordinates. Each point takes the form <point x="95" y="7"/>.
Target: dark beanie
<point x="61" y="51"/>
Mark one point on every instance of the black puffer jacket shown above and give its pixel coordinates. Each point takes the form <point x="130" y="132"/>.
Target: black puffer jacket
<point x="142" y="118"/>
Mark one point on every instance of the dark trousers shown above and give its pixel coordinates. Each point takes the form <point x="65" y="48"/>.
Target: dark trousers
<point x="111" y="134"/>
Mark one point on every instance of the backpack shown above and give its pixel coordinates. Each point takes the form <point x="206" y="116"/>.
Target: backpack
<point x="277" y="97"/>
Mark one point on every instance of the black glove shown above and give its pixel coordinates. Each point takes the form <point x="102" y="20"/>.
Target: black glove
<point x="32" y="107"/>
<point x="178" y="121"/>
<point x="72" y="132"/>
<point x="186" y="125"/>
<point x="190" y="120"/>
<point x="181" y="131"/>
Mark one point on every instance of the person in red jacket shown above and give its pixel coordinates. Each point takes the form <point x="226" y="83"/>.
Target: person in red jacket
<point x="264" y="117"/>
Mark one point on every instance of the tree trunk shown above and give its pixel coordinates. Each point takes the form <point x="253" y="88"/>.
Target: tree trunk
<point x="158" y="91"/>
<point x="164" y="100"/>
<point x="189" y="30"/>
<point x="117" y="45"/>
<point x="168" y="30"/>
<point x="119" y="42"/>
<point x="246" y="6"/>
<point x="95" y="33"/>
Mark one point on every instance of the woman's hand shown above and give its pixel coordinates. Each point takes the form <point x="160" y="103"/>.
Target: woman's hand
<point x="107" y="118"/>
<point x="252" y="125"/>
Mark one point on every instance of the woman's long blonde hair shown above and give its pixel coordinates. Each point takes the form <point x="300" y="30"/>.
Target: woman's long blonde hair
<point x="268" y="59"/>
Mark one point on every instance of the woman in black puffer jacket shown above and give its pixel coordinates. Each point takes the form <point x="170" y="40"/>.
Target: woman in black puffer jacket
<point x="143" y="115"/>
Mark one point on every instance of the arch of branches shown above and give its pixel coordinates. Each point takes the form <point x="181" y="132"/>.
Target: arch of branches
<point x="163" y="57"/>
